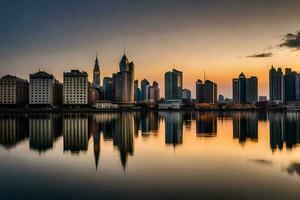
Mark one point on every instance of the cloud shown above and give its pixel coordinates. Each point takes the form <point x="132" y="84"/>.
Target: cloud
<point x="261" y="161"/>
<point x="291" y="40"/>
<point x="261" y="55"/>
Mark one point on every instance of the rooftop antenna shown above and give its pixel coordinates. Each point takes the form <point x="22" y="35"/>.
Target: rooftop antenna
<point x="124" y="50"/>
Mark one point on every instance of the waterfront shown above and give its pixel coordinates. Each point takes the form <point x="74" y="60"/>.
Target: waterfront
<point x="150" y="155"/>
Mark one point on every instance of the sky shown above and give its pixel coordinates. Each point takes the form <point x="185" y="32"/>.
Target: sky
<point x="222" y="37"/>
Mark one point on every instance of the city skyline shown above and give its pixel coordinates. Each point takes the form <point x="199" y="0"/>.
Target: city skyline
<point x="200" y="38"/>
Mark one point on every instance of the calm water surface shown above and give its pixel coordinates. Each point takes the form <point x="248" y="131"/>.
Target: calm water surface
<point x="150" y="155"/>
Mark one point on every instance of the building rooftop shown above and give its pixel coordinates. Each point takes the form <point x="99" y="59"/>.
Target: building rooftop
<point x="75" y="73"/>
<point x="41" y="74"/>
<point x="10" y="77"/>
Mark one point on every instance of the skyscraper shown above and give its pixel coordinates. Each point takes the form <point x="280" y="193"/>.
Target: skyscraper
<point x="173" y="85"/>
<point x="144" y="89"/>
<point x="244" y="90"/>
<point x="276" y="84"/>
<point x="123" y="82"/>
<point x="96" y="74"/>
<point x="186" y="94"/>
<point x="289" y="85"/>
<point x="153" y="92"/>
<point x="206" y="92"/>
<point x="107" y="86"/>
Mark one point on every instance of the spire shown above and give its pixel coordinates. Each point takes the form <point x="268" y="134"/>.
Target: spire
<point x="96" y="66"/>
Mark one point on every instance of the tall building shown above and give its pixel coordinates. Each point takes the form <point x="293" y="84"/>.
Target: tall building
<point x="244" y="90"/>
<point x="153" y="92"/>
<point x="13" y="90"/>
<point x="251" y="88"/>
<point x="123" y="86"/>
<point x="44" y="89"/>
<point x="186" y="94"/>
<point x="96" y="74"/>
<point x="137" y="91"/>
<point x="206" y="92"/>
<point x="173" y="85"/>
<point x="75" y="87"/>
<point x="144" y="89"/>
<point x="108" y="90"/>
<point x="276" y="84"/>
<point x="289" y="85"/>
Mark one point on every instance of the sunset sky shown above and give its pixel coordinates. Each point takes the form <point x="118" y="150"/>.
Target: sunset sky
<point x="223" y="37"/>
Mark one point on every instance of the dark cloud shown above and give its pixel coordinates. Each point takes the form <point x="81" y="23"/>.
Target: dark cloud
<point x="261" y="161"/>
<point x="293" y="168"/>
<point x="261" y="55"/>
<point x="291" y="40"/>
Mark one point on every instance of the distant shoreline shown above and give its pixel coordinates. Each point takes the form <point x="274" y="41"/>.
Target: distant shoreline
<point x="35" y="110"/>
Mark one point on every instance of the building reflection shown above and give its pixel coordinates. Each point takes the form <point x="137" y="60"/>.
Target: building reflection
<point x="245" y="126"/>
<point x="43" y="130"/>
<point x="149" y="122"/>
<point x="187" y="120"/>
<point x="13" y="129"/>
<point x="284" y="129"/>
<point x="75" y="133"/>
<point x="206" y="124"/>
<point x="173" y="128"/>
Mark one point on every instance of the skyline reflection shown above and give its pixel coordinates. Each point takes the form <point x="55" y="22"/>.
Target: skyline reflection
<point x="122" y="129"/>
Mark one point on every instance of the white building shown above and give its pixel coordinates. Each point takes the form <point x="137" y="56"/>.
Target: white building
<point x="75" y="87"/>
<point x="44" y="89"/>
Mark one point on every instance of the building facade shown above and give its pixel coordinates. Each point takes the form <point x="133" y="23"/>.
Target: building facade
<point x="173" y="85"/>
<point x="186" y="94"/>
<point x="13" y="90"/>
<point x="244" y="90"/>
<point x="123" y="82"/>
<point x="44" y="89"/>
<point x="276" y="84"/>
<point x="206" y="92"/>
<point x="153" y="92"/>
<point x="75" y="87"/>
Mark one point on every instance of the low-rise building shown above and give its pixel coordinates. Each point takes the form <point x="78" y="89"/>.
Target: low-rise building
<point x="13" y="90"/>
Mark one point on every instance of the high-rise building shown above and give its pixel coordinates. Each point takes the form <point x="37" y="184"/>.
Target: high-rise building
<point x="289" y="85"/>
<point x="153" y="92"/>
<point x="108" y="90"/>
<point x="123" y="86"/>
<point x="245" y="90"/>
<point x="173" y="85"/>
<point x="96" y="74"/>
<point x="186" y="94"/>
<point x="251" y="88"/>
<point x="206" y="92"/>
<point x="44" y="89"/>
<point x="13" y="90"/>
<point x="276" y="84"/>
<point x="75" y="87"/>
<point x="144" y="89"/>
<point x="137" y="91"/>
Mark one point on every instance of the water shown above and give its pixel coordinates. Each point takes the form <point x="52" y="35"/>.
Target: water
<point x="150" y="155"/>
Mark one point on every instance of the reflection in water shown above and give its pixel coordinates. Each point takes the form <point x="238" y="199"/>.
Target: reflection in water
<point x="173" y="127"/>
<point x="43" y="130"/>
<point x="75" y="133"/>
<point x="245" y="126"/>
<point x="13" y="129"/>
<point x="284" y="128"/>
<point x="206" y="124"/>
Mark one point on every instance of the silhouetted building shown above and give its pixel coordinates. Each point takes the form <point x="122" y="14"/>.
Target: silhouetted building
<point x="206" y="92"/>
<point x="186" y="94"/>
<point x="13" y="90"/>
<point x="108" y="90"/>
<point x="245" y="90"/>
<point x="44" y="89"/>
<point x="96" y="74"/>
<point x="75" y="87"/>
<point x="289" y="85"/>
<point x="137" y="91"/>
<point x="173" y="85"/>
<point x="153" y="92"/>
<point x="276" y="84"/>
